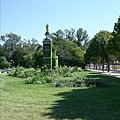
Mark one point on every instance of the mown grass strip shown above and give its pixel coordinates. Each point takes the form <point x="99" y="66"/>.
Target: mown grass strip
<point x="43" y="102"/>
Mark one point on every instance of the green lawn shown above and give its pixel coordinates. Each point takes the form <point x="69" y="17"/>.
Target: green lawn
<point x="20" y="101"/>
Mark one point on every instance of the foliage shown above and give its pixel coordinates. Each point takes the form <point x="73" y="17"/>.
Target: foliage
<point x="82" y="38"/>
<point x="79" y="82"/>
<point x="104" y="47"/>
<point x="38" y="55"/>
<point x="38" y="79"/>
<point x="114" y="43"/>
<point x="2" y="52"/>
<point x="28" y="60"/>
<point x="63" y="77"/>
<point x="63" y="70"/>
<point x="78" y="54"/>
<point x="73" y="48"/>
<point x="18" y="72"/>
<point x="28" y="53"/>
<point x="64" y="52"/>
<point x="23" y="72"/>
<point x="10" y="40"/>
<point x="68" y="51"/>
<point x="14" y="48"/>
<point x="97" y="50"/>
<point x="17" y="56"/>
<point x="4" y="63"/>
<point x="59" y="34"/>
<point x="30" y="45"/>
<point x="69" y="34"/>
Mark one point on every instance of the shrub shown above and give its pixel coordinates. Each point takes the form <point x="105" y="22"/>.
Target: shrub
<point x="4" y="63"/>
<point x="33" y="80"/>
<point x="29" y="73"/>
<point x="68" y="75"/>
<point x="58" y="84"/>
<point x="77" y="69"/>
<point x="64" y="78"/>
<point x="63" y="70"/>
<point x="38" y="79"/>
<point x="79" y="82"/>
<point x="25" y="73"/>
<point x="48" y="79"/>
<point x="100" y="84"/>
<point x="19" y="72"/>
<point x="11" y="73"/>
<point x="29" y="80"/>
<point x="89" y="82"/>
<point x="95" y="82"/>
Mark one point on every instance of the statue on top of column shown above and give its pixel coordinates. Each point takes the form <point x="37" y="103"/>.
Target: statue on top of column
<point x="47" y="28"/>
<point x="47" y="31"/>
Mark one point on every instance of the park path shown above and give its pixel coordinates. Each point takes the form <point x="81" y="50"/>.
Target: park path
<point x="111" y="73"/>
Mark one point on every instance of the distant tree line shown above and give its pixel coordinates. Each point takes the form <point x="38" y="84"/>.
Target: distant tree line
<point x="74" y="48"/>
<point x="28" y="53"/>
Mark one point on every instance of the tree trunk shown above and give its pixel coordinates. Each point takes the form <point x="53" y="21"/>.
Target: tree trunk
<point x="103" y="66"/>
<point x="108" y="65"/>
<point x="94" y="65"/>
<point x="99" y="65"/>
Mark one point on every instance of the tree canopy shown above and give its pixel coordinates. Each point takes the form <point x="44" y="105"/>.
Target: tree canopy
<point x="97" y="50"/>
<point x="72" y="47"/>
<point x="114" y="43"/>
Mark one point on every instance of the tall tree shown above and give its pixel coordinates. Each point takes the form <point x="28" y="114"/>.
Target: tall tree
<point x="10" y="40"/>
<point x="97" y="50"/>
<point x="58" y="33"/>
<point x="78" y="56"/>
<point x="38" y="57"/>
<point x="30" y="45"/>
<point x="69" y="34"/>
<point x="2" y="52"/>
<point x="114" y="43"/>
<point x="68" y="51"/>
<point x="18" y="56"/>
<point x="82" y="37"/>
<point x="28" y="60"/>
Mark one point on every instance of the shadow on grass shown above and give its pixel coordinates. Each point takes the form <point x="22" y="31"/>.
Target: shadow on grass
<point x="93" y="103"/>
<point x="109" y="80"/>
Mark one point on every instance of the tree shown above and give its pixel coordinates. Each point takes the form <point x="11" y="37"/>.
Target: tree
<point x="58" y="33"/>
<point x="82" y="38"/>
<point x="78" y="54"/>
<point x="17" y="56"/>
<point x="38" y="57"/>
<point x="2" y="52"/>
<point x="10" y="42"/>
<point x="97" y="50"/>
<point x="69" y="34"/>
<point x="28" y="60"/>
<point x="64" y="51"/>
<point x="30" y="45"/>
<point x="92" y="55"/>
<point x="4" y="63"/>
<point x="114" y="43"/>
<point x="67" y="51"/>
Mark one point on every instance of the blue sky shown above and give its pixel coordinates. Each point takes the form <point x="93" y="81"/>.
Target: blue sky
<point x="28" y="18"/>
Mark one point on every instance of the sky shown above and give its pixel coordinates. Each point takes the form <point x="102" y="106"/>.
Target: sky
<point x="28" y="18"/>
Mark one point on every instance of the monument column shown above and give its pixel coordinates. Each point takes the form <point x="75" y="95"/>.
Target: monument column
<point x="47" y="49"/>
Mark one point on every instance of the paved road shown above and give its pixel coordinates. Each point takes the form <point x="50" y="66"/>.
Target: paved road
<point x="112" y="73"/>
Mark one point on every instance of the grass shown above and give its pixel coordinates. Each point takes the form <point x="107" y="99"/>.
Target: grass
<point x="20" y="101"/>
